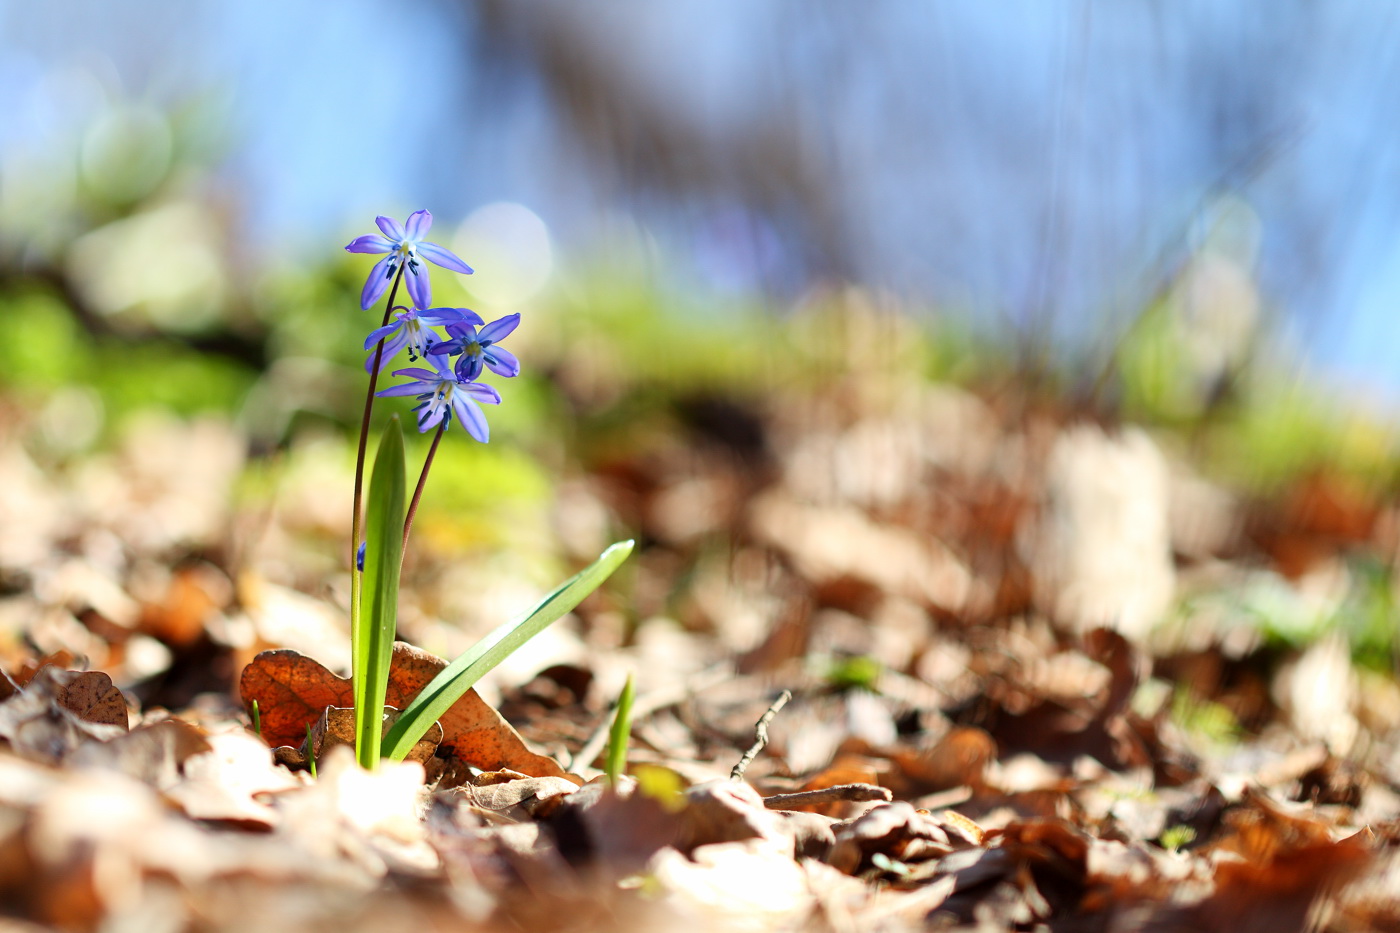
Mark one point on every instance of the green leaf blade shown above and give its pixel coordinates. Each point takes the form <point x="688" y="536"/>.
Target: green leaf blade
<point x="620" y="733"/>
<point x="463" y="673"/>
<point x="374" y="642"/>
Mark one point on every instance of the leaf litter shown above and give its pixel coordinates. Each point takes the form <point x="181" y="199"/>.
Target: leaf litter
<point x="985" y="731"/>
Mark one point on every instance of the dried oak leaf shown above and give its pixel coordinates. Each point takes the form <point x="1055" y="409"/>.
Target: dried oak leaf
<point x="58" y="711"/>
<point x="92" y="697"/>
<point x="293" y="690"/>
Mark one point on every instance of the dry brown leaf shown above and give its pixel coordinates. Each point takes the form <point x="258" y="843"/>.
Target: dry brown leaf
<point x="727" y="811"/>
<point x="896" y="830"/>
<point x="518" y="797"/>
<point x="46" y="722"/>
<point x="292" y="691"/>
<point x="61" y="659"/>
<point x="153" y="754"/>
<point x="92" y="697"/>
<point x="960" y="758"/>
<point x="614" y="829"/>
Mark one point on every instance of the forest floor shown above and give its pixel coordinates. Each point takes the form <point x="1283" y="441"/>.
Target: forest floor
<point x="1042" y="675"/>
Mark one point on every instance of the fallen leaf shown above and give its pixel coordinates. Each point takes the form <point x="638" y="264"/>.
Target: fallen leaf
<point x="753" y="884"/>
<point x="221" y="783"/>
<point x="292" y="692"/>
<point x="92" y="697"/>
<point x="727" y="811"/>
<point x="153" y="754"/>
<point x="41" y="722"/>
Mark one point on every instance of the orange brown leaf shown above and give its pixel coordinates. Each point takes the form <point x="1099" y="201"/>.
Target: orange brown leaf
<point x="293" y="690"/>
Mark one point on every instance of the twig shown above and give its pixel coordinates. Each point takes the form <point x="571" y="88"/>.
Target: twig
<point x="760" y="732"/>
<point x="856" y="793"/>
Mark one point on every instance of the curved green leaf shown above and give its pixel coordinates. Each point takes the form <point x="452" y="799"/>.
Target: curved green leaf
<point x="463" y="673"/>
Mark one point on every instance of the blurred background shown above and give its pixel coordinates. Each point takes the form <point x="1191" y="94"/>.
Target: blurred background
<point x="1037" y="173"/>
<point x="732" y="229"/>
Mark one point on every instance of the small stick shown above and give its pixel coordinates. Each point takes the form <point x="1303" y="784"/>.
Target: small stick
<point x="857" y="793"/>
<point x="760" y="732"/>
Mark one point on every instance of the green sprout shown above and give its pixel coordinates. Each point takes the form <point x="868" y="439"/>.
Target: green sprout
<point x="1174" y="838"/>
<point x="621" y="731"/>
<point x="857" y="672"/>
<point x="310" y="751"/>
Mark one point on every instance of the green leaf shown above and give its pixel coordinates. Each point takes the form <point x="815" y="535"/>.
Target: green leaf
<point x="374" y="642"/>
<point x="621" y="732"/>
<point x="462" y="674"/>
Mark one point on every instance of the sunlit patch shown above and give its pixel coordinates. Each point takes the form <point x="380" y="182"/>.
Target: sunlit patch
<point x="510" y="244"/>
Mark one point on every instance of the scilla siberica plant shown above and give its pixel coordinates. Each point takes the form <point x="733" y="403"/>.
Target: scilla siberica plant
<point x="446" y="391"/>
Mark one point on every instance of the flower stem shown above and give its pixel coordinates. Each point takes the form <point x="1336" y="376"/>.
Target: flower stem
<point x="356" y="520"/>
<point x="422" y="481"/>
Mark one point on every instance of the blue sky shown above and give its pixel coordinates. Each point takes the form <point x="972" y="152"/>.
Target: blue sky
<point x="1028" y="160"/>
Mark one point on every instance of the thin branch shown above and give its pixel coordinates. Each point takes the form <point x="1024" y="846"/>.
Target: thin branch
<point x="422" y="481"/>
<point x="857" y="793"/>
<point x="760" y="732"/>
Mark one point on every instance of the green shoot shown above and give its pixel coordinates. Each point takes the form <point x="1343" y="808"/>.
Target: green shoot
<point x="858" y="672"/>
<point x="1174" y="838"/>
<point x="621" y="732"/>
<point x="310" y="751"/>
<point x="372" y="644"/>
<point x="257" y="719"/>
<point x="463" y="673"/>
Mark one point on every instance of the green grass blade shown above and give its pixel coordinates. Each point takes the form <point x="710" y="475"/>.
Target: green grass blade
<point x="374" y="643"/>
<point x="621" y="732"/>
<point x="310" y="751"/>
<point x="459" y="676"/>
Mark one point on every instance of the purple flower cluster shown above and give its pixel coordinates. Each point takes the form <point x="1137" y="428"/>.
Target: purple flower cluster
<point x="446" y="389"/>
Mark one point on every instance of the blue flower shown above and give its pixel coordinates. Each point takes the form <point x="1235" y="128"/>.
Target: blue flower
<point x="442" y="395"/>
<point x="405" y="246"/>
<point x="478" y="348"/>
<point x="408" y="330"/>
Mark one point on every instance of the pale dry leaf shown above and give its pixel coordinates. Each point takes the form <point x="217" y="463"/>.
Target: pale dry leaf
<point x="223" y="782"/>
<point x="750" y="885"/>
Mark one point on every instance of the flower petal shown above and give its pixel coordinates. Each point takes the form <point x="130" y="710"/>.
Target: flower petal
<point x="469" y="367"/>
<point x="379" y="333"/>
<point x="471" y="416"/>
<point x="465" y="330"/>
<point x="418" y="224"/>
<point x="502" y="362"/>
<point x="390" y="228"/>
<point x="443" y="365"/>
<point x="499" y="329"/>
<point x="440" y="316"/>
<point x="376" y="283"/>
<point x="419" y="286"/>
<point x="419" y="373"/>
<point x="390" y="349"/>
<point x="369" y="243"/>
<point x="481" y="392"/>
<point x="443" y="257"/>
<point x="404" y="388"/>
